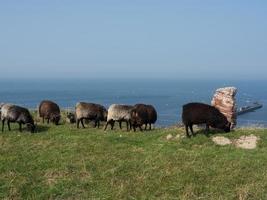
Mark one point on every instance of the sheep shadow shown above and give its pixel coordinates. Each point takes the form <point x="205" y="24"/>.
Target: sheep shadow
<point x="210" y="132"/>
<point x="41" y="128"/>
<point x="15" y="128"/>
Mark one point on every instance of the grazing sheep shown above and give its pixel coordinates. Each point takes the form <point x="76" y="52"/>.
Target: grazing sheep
<point x="199" y="113"/>
<point x="50" y="111"/>
<point x="119" y="113"/>
<point x="148" y="114"/>
<point x="1" y="105"/>
<point x="90" y="111"/>
<point x="13" y="113"/>
<point x="139" y="116"/>
<point x="152" y="115"/>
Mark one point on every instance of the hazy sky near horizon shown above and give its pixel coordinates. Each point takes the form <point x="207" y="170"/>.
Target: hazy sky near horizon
<point x="204" y="39"/>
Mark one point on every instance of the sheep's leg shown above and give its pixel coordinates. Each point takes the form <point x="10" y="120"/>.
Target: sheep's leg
<point x="106" y="125"/>
<point x="187" y="132"/>
<point x="120" y="124"/>
<point x="98" y="123"/>
<point x="207" y="129"/>
<point x="3" y="124"/>
<point x="191" y="129"/>
<point x="145" y="126"/>
<point x="82" y="123"/>
<point x="48" y="121"/>
<point x="134" y="128"/>
<point x="130" y="124"/>
<point x="149" y="126"/>
<point x="20" y="129"/>
<point x="127" y="125"/>
<point x="112" y="125"/>
<point x="78" y="123"/>
<point x="8" y="125"/>
<point x="140" y="127"/>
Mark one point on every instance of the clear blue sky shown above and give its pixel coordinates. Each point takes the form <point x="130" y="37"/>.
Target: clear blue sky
<point x="133" y="39"/>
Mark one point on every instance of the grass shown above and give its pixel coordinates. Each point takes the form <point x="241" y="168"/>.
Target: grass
<point x="61" y="162"/>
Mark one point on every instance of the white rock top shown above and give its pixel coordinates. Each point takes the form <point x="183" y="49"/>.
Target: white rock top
<point x="1" y="105"/>
<point x="231" y="91"/>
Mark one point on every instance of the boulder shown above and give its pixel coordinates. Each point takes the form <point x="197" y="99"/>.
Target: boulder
<point x="224" y="100"/>
<point x="247" y="142"/>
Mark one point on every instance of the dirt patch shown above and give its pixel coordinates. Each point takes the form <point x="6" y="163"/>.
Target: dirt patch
<point x="220" y="140"/>
<point x="52" y="176"/>
<point x="246" y="142"/>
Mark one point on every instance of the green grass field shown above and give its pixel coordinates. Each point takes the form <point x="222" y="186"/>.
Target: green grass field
<point x="61" y="162"/>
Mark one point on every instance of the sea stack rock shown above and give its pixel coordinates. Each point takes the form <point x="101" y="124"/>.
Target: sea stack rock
<point x="224" y="100"/>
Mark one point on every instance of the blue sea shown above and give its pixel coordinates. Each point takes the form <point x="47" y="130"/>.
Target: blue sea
<point x="167" y="96"/>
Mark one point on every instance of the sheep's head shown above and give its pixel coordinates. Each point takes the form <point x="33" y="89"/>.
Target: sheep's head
<point x="31" y="127"/>
<point x="135" y="118"/>
<point x="55" y="118"/>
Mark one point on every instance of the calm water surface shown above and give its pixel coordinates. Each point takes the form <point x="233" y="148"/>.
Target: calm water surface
<point x="167" y="96"/>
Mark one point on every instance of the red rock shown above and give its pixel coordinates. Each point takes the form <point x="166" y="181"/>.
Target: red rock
<point x="224" y="100"/>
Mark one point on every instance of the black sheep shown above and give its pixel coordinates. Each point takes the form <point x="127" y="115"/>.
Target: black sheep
<point x="199" y="113"/>
<point x="139" y="116"/>
<point x="148" y="114"/>
<point x="152" y="115"/>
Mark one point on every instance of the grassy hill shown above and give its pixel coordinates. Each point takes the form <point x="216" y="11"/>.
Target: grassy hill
<point x="61" y="162"/>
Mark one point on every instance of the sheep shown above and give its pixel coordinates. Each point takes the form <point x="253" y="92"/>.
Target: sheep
<point x="152" y="115"/>
<point x="146" y="113"/>
<point x="50" y="111"/>
<point x="119" y="113"/>
<point x="199" y="113"/>
<point x="13" y="113"/>
<point x="139" y="116"/>
<point x="90" y="111"/>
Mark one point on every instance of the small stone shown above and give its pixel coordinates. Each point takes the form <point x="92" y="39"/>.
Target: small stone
<point x="169" y="137"/>
<point x="220" y="140"/>
<point x="178" y="136"/>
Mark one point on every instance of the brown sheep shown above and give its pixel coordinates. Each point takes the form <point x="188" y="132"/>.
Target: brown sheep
<point x="50" y="111"/>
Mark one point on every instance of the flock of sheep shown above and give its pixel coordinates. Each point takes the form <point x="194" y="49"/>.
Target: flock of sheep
<point x="135" y="116"/>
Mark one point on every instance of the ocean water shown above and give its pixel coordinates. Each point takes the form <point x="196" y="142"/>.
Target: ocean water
<point x="167" y="96"/>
